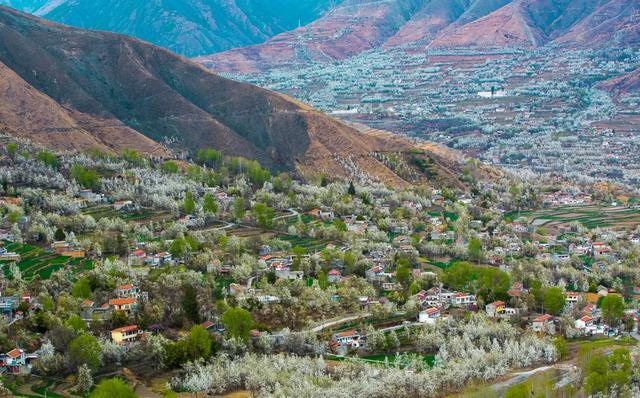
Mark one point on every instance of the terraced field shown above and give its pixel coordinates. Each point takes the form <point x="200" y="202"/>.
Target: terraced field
<point x="310" y="245"/>
<point x="36" y="261"/>
<point x="589" y="216"/>
<point x="107" y="211"/>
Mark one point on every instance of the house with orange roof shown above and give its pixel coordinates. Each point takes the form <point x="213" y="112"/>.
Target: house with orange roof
<point x="585" y="322"/>
<point x="348" y="339"/>
<point x="127" y="304"/>
<point x="137" y="257"/>
<point x="334" y="276"/>
<point x="17" y="361"/>
<point x="126" y="334"/>
<point x="495" y="309"/>
<point x="429" y="316"/>
<point x="463" y="300"/>
<point x="68" y="249"/>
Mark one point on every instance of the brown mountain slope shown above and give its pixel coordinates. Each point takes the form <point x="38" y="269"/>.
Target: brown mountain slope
<point x="623" y="84"/>
<point x="188" y="27"/>
<point x="347" y="30"/>
<point x="28" y="113"/>
<point x="434" y="16"/>
<point x="361" y="25"/>
<point x="615" y="23"/>
<point x="507" y="26"/>
<point x="74" y="89"/>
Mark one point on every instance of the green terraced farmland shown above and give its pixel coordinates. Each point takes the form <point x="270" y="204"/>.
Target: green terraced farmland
<point x="310" y="245"/>
<point x="36" y="261"/>
<point x="589" y="216"/>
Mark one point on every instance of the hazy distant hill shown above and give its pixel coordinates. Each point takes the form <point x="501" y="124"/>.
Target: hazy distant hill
<point x="189" y="27"/>
<point x="356" y="26"/>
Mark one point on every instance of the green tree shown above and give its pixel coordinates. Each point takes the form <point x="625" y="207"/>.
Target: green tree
<point x="190" y="304"/>
<point x="561" y="347"/>
<point x="133" y="157"/>
<point x="595" y="383"/>
<point x="209" y="204"/>
<point x="488" y="282"/>
<point x="352" y="189"/>
<point x="392" y="341"/>
<point x="189" y="205"/>
<point x="178" y="247"/>
<point x="82" y="288"/>
<point x="554" y="300"/>
<point x="48" y="158"/>
<point x="340" y="225"/>
<point x="110" y="388"/>
<point x="264" y="215"/>
<point x="475" y="249"/>
<point x="518" y="391"/>
<point x="198" y="343"/>
<point x="323" y="282"/>
<point x="612" y="308"/>
<point x="298" y="253"/>
<point x="87" y="178"/>
<point x="170" y="167"/>
<point x="209" y="157"/>
<point x="239" y="208"/>
<point x="59" y="234"/>
<point x="403" y="272"/>
<point x="238" y="323"/>
<point x="118" y="319"/>
<point x="12" y="148"/>
<point x="75" y="323"/>
<point x="85" y="349"/>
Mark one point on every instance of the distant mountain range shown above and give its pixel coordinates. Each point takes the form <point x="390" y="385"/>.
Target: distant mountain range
<point x="356" y="26"/>
<point x="253" y="35"/>
<point x="188" y="27"/>
<point x="72" y="89"/>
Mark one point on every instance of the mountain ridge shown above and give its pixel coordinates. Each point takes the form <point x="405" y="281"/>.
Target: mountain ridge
<point x="188" y="27"/>
<point x="72" y="89"/>
<point x="440" y="24"/>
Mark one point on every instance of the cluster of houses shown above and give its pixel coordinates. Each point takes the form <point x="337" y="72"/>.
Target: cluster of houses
<point x="68" y="249"/>
<point x="139" y="257"/>
<point x="560" y="198"/>
<point x="17" y="361"/>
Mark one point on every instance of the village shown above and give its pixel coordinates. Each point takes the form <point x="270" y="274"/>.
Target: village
<point x="538" y="110"/>
<point x="108" y="262"/>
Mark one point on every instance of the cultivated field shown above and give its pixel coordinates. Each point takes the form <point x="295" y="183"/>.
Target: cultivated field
<point x="589" y="216"/>
<point x="36" y="261"/>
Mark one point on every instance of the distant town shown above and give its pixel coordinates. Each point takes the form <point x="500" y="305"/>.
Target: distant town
<point x="536" y="109"/>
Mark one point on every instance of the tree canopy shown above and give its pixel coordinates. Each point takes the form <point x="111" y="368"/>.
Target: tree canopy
<point x="238" y="323"/>
<point x="109" y="388"/>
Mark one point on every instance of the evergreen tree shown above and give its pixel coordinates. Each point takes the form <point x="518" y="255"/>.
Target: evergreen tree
<point x="189" y="205"/>
<point x="59" y="235"/>
<point x="352" y="189"/>
<point x="190" y="304"/>
<point x="209" y="204"/>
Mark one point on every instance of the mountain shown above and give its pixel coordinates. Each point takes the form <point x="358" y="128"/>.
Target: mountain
<point x="25" y="5"/>
<point x="436" y="15"/>
<point x="72" y="89"/>
<point x="622" y="85"/>
<point x="357" y="26"/>
<point x="522" y="23"/>
<point x="616" y="23"/>
<point x="347" y="30"/>
<point x="188" y="27"/>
